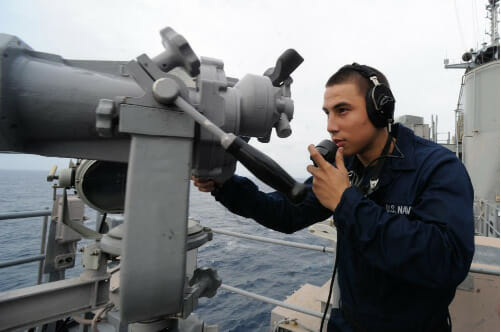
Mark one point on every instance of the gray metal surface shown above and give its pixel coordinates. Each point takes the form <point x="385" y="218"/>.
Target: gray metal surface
<point x="274" y="241"/>
<point x="153" y="268"/>
<point x="99" y="149"/>
<point x="481" y="129"/>
<point x="201" y="119"/>
<point x="111" y="242"/>
<point x="210" y="160"/>
<point x="491" y="270"/>
<point x="71" y="218"/>
<point x="32" y="306"/>
<point x="27" y="214"/>
<point x="43" y="242"/>
<point x="177" y="53"/>
<point x="204" y="282"/>
<point x="74" y="113"/>
<point x="36" y="111"/>
<point x="250" y="107"/>
<point x="486" y="218"/>
<point x="36" y="108"/>
<point x="486" y="258"/>
<point x="190" y="324"/>
<point x="153" y="121"/>
<point x="156" y="212"/>
<point x="416" y="123"/>
<point x="273" y="301"/>
<point x="22" y="261"/>
<point x="106" y="110"/>
<point x="61" y="248"/>
<point x="480" y="100"/>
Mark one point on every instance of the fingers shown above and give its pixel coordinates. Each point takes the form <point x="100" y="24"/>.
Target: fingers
<point x="311" y="169"/>
<point x="316" y="156"/>
<point x="340" y="159"/>
<point x="204" y="185"/>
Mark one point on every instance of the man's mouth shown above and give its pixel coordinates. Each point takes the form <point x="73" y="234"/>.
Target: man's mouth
<point x="339" y="142"/>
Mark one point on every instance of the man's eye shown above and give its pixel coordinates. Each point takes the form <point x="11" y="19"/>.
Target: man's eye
<point x="342" y="110"/>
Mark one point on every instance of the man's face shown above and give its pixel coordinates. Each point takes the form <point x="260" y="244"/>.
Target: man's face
<point x="348" y="122"/>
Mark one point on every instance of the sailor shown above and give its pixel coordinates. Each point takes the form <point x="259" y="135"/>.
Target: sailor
<point x="402" y="207"/>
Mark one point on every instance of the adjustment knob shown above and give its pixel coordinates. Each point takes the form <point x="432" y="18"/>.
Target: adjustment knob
<point x="178" y="53"/>
<point x="208" y="281"/>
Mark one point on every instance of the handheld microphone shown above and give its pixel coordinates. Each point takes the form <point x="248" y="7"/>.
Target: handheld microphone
<point x="327" y="149"/>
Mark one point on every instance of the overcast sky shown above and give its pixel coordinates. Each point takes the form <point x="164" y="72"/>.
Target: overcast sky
<point x="406" y="40"/>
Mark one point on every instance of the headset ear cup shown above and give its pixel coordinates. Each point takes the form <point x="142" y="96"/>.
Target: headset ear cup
<point x="369" y="105"/>
<point x="380" y="105"/>
<point x="379" y="101"/>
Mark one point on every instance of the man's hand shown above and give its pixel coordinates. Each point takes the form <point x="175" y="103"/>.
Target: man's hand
<point x="205" y="186"/>
<point x="329" y="182"/>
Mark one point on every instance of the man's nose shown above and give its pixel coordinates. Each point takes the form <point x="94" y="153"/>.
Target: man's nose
<point x="332" y="125"/>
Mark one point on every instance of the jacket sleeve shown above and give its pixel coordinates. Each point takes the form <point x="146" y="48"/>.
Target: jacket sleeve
<point x="433" y="246"/>
<point x="273" y="210"/>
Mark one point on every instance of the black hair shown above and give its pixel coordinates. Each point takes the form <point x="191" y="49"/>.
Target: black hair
<point x="346" y="74"/>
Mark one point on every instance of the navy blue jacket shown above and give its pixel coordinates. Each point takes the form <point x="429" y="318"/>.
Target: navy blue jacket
<point x="403" y="249"/>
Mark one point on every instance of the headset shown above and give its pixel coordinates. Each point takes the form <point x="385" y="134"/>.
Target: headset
<point x="379" y="100"/>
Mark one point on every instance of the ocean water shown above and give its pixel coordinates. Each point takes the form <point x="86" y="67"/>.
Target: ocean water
<point x="265" y="269"/>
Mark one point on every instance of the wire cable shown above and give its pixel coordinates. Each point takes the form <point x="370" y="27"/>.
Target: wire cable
<point x="332" y="283"/>
<point x="294" y="321"/>
<point x="98" y="315"/>
<point x="102" y="225"/>
<point x="94" y="320"/>
<point x="461" y="35"/>
<point x="474" y="11"/>
<point x="283" y="320"/>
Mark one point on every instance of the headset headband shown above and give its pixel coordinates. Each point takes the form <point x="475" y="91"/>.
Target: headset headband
<point x="365" y="72"/>
<point x="379" y="100"/>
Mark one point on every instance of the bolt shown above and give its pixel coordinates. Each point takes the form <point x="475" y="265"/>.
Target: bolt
<point x="165" y="90"/>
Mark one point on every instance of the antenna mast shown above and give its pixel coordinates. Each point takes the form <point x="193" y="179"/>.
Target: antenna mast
<point x="492" y="8"/>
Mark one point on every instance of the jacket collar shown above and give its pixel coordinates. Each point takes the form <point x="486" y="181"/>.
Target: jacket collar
<point x="405" y="142"/>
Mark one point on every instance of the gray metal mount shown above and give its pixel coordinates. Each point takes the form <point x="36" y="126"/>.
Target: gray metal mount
<point x="130" y="114"/>
<point x="111" y="243"/>
<point x="62" y="239"/>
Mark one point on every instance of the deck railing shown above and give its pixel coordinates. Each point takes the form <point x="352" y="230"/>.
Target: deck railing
<point x="486" y="218"/>
<point x="41" y="257"/>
